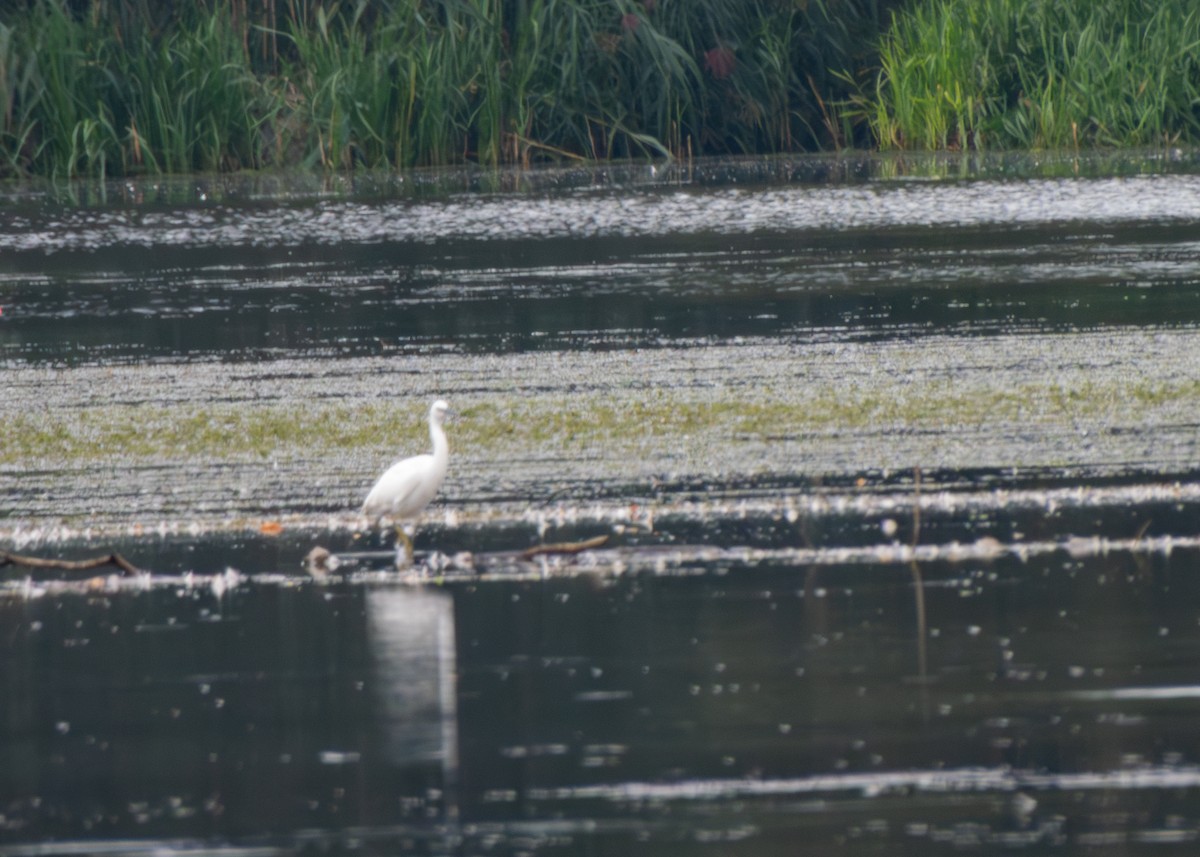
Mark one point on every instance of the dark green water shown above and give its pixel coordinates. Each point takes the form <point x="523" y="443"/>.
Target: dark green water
<point x="239" y="269"/>
<point x="730" y="710"/>
<point x="759" y="661"/>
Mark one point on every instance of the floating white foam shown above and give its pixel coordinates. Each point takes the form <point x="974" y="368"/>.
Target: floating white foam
<point x="878" y="784"/>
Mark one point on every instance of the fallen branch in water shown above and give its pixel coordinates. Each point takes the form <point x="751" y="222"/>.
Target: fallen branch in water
<point x="563" y="547"/>
<point x="116" y="559"/>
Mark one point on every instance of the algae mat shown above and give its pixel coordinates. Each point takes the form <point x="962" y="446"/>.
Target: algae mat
<point x="113" y="450"/>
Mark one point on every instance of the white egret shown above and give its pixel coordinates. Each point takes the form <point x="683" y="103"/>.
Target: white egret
<point x="409" y="484"/>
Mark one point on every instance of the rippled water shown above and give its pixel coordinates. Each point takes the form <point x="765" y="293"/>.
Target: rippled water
<point x="228" y="272"/>
<point x="895" y="458"/>
<point x="729" y="705"/>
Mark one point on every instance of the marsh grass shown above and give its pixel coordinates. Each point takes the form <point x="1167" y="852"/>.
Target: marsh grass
<point x="98" y="89"/>
<point x="1009" y="73"/>
<point x="190" y="102"/>
<point x="129" y="86"/>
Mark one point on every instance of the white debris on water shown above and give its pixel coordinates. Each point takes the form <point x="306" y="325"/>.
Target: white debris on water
<point x="601" y="212"/>
<point x="791" y="508"/>
<point x="656" y="560"/>
<point x="881" y="784"/>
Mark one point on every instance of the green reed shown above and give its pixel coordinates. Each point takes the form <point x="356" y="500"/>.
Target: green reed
<point x="55" y="108"/>
<point x="133" y="86"/>
<point x="186" y="101"/>
<point x="16" y="104"/>
<point x="1012" y="73"/>
<point x="79" y="102"/>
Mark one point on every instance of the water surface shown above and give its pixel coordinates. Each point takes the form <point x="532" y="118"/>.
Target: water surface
<point x="895" y="457"/>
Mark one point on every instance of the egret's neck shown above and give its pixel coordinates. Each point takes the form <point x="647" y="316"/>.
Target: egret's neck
<point x="441" y="449"/>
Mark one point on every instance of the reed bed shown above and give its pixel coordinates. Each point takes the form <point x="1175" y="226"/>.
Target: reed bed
<point x="1021" y="74"/>
<point x="129" y="86"/>
<point x="119" y="87"/>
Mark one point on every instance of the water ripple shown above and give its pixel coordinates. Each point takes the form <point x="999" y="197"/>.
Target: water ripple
<point x="603" y="213"/>
<point x="881" y="783"/>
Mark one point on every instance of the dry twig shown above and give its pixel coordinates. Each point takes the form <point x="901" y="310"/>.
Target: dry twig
<point x="564" y="547"/>
<point x="127" y="568"/>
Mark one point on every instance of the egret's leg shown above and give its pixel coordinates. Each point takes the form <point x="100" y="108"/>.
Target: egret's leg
<point x="403" y="539"/>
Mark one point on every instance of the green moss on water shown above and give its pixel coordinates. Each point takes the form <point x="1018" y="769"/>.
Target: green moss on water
<point x="213" y="431"/>
<point x="630" y="421"/>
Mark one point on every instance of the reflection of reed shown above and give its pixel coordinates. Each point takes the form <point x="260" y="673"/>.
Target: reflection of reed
<point x="922" y="656"/>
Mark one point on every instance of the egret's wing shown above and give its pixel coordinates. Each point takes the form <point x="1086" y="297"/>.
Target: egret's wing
<point x="395" y="490"/>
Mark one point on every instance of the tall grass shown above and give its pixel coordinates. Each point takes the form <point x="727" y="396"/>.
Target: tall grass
<point x="131" y="86"/>
<point x="1014" y="73"/>
<point x="17" y="98"/>
<point x="78" y="101"/>
<point x="186" y="101"/>
<point x="55" y="109"/>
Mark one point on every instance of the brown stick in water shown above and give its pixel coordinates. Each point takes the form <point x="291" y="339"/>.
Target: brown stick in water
<point x="564" y="547"/>
<point x="116" y="559"/>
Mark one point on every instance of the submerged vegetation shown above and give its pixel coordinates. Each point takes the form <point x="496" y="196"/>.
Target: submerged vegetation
<point x="128" y="87"/>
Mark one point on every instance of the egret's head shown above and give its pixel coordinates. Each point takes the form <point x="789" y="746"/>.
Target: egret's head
<point x="438" y="411"/>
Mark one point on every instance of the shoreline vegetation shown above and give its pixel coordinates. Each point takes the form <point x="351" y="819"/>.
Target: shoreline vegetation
<point x="131" y="87"/>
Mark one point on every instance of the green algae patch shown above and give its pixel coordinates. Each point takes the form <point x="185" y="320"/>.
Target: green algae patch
<point x="171" y="442"/>
<point x="617" y="420"/>
<point x="187" y="431"/>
